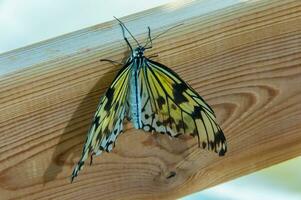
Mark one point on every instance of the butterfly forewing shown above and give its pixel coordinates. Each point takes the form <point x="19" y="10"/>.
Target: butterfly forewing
<point x="108" y="119"/>
<point x="169" y="105"/>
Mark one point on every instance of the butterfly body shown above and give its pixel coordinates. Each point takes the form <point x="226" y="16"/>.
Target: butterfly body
<point x="136" y="62"/>
<point x="155" y="99"/>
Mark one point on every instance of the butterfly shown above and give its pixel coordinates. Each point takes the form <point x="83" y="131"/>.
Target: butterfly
<point x="154" y="98"/>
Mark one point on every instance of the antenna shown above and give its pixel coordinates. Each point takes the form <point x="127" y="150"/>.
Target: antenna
<point x="151" y="40"/>
<point x="123" y="25"/>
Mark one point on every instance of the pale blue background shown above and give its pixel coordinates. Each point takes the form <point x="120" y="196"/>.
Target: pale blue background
<point x="20" y="25"/>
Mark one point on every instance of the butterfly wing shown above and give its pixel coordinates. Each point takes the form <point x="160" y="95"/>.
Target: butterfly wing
<point x="171" y="106"/>
<point x="108" y="119"/>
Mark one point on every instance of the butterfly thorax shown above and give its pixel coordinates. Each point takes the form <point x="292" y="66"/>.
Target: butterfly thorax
<point x="137" y="61"/>
<point x="138" y="52"/>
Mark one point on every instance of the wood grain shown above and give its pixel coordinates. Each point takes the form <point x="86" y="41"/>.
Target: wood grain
<point x="245" y="60"/>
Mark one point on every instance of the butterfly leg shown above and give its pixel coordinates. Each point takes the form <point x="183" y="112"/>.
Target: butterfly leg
<point x="153" y="56"/>
<point x="91" y="158"/>
<point x="112" y="61"/>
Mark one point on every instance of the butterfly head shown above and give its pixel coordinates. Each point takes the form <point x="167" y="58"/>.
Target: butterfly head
<point x="139" y="52"/>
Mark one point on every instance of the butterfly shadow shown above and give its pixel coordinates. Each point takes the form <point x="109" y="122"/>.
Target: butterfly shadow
<point x="71" y="141"/>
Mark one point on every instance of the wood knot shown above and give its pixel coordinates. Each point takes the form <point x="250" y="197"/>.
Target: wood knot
<point x="171" y="175"/>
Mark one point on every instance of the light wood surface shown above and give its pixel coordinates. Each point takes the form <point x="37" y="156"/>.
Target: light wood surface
<point x="245" y="60"/>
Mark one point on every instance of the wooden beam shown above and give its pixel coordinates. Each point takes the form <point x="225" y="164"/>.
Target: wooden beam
<point x="245" y="60"/>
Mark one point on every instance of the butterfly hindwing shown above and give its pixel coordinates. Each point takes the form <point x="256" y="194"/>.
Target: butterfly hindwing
<point x="171" y="106"/>
<point x="108" y="119"/>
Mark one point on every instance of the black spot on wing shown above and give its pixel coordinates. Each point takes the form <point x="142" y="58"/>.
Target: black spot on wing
<point x="109" y="95"/>
<point x="196" y="114"/>
<point x="116" y="105"/>
<point x="181" y="124"/>
<point x="222" y="152"/>
<point x="195" y="132"/>
<point x="96" y="121"/>
<point x="220" y="139"/>
<point x="161" y="101"/>
<point x="107" y="147"/>
<point x="178" y="93"/>
<point x="101" y="148"/>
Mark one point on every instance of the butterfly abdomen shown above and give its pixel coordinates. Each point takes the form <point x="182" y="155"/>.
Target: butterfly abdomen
<point x="135" y="101"/>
